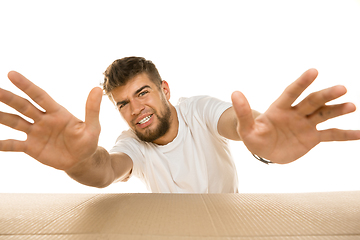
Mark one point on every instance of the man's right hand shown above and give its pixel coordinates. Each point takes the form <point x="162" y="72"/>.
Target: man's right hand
<point x="55" y="138"/>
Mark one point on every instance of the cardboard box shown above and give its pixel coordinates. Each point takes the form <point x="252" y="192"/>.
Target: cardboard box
<point x="333" y="215"/>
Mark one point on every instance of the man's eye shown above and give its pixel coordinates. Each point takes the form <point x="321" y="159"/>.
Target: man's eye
<point x="120" y="106"/>
<point x="143" y="93"/>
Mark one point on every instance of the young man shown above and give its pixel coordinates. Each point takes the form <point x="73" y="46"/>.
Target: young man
<point x="179" y="148"/>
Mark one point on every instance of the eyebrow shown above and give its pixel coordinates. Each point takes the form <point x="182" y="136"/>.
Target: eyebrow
<point x="135" y="93"/>
<point x="142" y="88"/>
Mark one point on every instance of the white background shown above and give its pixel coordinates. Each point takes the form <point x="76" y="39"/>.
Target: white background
<point x="199" y="47"/>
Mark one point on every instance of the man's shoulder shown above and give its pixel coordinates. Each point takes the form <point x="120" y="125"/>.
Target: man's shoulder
<point x="199" y="102"/>
<point x="128" y="135"/>
<point x="194" y="100"/>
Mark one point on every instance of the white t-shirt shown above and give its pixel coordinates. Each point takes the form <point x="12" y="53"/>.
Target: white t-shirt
<point x="198" y="160"/>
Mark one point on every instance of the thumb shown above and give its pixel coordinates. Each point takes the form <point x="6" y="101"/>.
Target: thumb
<point x="243" y="112"/>
<point x="93" y="108"/>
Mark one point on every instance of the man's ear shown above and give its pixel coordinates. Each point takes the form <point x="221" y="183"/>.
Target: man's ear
<point x="166" y="89"/>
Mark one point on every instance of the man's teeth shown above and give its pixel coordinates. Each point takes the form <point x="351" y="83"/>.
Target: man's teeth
<point x="144" y="120"/>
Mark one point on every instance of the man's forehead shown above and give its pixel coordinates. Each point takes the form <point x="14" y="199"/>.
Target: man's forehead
<point x="133" y="86"/>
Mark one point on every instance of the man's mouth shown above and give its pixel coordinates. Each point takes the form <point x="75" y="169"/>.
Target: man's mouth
<point x="145" y="119"/>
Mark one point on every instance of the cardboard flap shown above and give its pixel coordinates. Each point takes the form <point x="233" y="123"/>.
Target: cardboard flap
<point x="180" y="216"/>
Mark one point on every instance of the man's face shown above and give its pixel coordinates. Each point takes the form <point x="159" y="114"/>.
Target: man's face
<point x="144" y="107"/>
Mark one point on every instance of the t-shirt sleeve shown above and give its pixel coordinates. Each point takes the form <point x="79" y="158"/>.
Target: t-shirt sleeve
<point x="212" y="111"/>
<point x="208" y="111"/>
<point x="129" y="145"/>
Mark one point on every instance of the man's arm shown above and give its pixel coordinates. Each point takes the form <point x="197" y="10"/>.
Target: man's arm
<point x="102" y="169"/>
<point x="285" y="132"/>
<point x="228" y="124"/>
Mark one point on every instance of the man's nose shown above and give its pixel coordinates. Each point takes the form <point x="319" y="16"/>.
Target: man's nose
<point x="136" y="107"/>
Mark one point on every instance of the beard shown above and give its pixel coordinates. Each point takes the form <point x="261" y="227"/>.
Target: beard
<point x="160" y="130"/>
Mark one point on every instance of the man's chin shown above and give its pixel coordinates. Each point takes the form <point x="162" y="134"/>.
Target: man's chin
<point x="154" y="131"/>
<point x="151" y="135"/>
<point x="146" y="137"/>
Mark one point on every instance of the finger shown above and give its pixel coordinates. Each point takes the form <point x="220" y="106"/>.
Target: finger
<point x="34" y="92"/>
<point x="15" y="122"/>
<point x="93" y="108"/>
<point x="12" y="145"/>
<point x="318" y="99"/>
<point x="328" y="112"/>
<point x="339" y="135"/>
<point x="20" y="104"/>
<point x="243" y="112"/>
<point x="294" y="90"/>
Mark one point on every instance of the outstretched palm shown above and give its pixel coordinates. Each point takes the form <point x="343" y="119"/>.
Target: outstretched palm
<point x="56" y="137"/>
<point x="285" y="132"/>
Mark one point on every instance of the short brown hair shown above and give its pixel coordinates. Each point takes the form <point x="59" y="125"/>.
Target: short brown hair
<point x="122" y="70"/>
